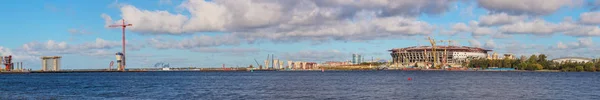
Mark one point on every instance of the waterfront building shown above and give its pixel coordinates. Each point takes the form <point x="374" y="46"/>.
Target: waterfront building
<point x="572" y="59"/>
<point x="452" y="55"/>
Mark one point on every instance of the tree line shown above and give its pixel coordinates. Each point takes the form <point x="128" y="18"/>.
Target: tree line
<point x="534" y="62"/>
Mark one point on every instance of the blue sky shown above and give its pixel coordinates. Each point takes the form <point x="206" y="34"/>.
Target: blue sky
<point x="210" y="33"/>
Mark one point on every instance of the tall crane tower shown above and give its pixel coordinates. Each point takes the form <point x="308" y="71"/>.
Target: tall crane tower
<point x="123" y="26"/>
<point x="433" y="50"/>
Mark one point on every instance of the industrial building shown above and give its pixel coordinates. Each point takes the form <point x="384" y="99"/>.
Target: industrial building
<point x="423" y="55"/>
<point x="572" y="60"/>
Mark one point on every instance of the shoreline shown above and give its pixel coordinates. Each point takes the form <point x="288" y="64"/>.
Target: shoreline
<point x="265" y="70"/>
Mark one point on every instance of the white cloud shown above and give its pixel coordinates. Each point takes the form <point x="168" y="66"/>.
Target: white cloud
<point x="389" y="7"/>
<point x="585" y="42"/>
<point x="282" y="20"/>
<point x="589" y="18"/>
<point x="90" y="48"/>
<point x="500" y="19"/>
<point x="164" y="2"/>
<point x="560" y="45"/>
<point x="317" y="56"/>
<point x="519" y="48"/>
<point x="226" y="50"/>
<point x="581" y="43"/>
<point x="536" y="27"/>
<point x="583" y="47"/>
<point x="107" y="20"/>
<point x="5" y="51"/>
<point x="543" y="28"/>
<point x="346" y="31"/>
<point x="17" y="55"/>
<point x="474" y="43"/>
<point x="461" y="27"/>
<point x="499" y="35"/>
<point x="194" y="42"/>
<point x="490" y="44"/>
<point x="473" y="28"/>
<point x="480" y="31"/>
<point x="583" y="31"/>
<point x="145" y="21"/>
<point x="78" y="31"/>
<point x="530" y="7"/>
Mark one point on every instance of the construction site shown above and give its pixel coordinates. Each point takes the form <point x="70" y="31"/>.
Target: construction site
<point x="445" y="56"/>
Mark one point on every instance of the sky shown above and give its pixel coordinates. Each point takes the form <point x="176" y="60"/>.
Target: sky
<point x="198" y="33"/>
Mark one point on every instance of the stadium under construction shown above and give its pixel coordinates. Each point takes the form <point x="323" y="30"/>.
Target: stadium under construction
<point x="447" y="56"/>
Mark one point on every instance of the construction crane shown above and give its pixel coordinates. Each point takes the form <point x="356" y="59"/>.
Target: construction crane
<point x="433" y="50"/>
<point x="123" y="26"/>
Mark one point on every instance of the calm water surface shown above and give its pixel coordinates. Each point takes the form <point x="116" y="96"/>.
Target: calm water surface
<point x="344" y="85"/>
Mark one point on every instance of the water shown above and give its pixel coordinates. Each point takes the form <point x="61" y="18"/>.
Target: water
<point x="344" y="85"/>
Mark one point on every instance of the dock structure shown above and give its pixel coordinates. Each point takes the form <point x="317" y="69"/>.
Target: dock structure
<point x="55" y="63"/>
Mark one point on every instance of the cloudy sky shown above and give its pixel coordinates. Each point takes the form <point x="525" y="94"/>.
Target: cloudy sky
<point x="235" y="32"/>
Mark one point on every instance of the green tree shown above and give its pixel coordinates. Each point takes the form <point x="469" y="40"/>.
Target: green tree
<point x="536" y="67"/>
<point x="515" y="63"/>
<point x="493" y="63"/>
<point x="579" y="68"/>
<point x="597" y="66"/>
<point x="532" y="59"/>
<point x="523" y="58"/>
<point x="589" y="67"/>
<point x="541" y="58"/>
<point x="522" y="66"/>
<point x="553" y="66"/>
<point x="506" y="63"/>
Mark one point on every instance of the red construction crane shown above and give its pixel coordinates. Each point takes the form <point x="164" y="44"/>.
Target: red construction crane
<point x="124" y="26"/>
